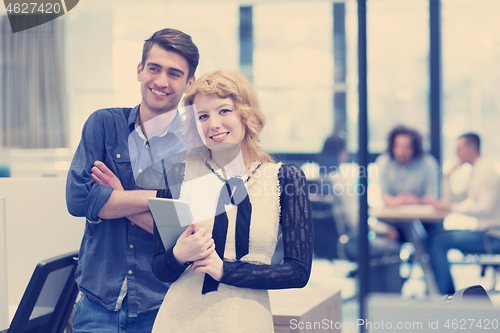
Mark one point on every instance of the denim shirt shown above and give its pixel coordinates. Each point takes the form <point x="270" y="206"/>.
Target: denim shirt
<point x="113" y="250"/>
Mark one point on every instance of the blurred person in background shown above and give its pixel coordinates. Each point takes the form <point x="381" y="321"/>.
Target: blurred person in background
<point x="480" y="199"/>
<point x="343" y="218"/>
<point x="408" y="175"/>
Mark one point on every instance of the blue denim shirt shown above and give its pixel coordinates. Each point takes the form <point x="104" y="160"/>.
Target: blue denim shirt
<point x="115" y="249"/>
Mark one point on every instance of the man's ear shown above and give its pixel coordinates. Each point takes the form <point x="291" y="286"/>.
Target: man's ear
<point x="191" y="81"/>
<point x="139" y="71"/>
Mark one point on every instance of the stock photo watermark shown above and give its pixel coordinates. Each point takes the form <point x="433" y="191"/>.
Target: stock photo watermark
<point x="439" y="325"/>
<point x="26" y="14"/>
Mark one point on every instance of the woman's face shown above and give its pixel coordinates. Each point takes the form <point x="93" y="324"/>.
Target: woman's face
<point x="220" y="121"/>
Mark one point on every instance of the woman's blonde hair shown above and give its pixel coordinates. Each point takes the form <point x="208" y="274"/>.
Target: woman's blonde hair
<point x="226" y="83"/>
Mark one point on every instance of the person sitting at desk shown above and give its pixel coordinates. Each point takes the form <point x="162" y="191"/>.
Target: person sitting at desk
<point x="480" y="199"/>
<point x="407" y="174"/>
<point x="344" y="208"/>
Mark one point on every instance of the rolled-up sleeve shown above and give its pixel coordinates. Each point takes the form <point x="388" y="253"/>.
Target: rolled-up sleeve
<point x="83" y="196"/>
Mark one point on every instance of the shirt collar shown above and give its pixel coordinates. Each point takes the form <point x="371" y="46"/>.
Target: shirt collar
<point x="132" y="118"/>
<point x="134" y="123"/>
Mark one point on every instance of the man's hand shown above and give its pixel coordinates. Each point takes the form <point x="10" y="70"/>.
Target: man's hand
<point x="141" y="216"/>
<point x="439" y="205"/>
<point x="405" y="198"/>
<point x="105" y="177"/>
<point x="193" y="245"/>
<point x="211" y="265"/>
<point x="455" y="168"/>
<point x="426" y="200"/>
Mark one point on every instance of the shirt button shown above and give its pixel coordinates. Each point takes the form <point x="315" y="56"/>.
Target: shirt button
<point x="147" y="146"/>
<point x="118" y="155"/>
<point x="130" y="272"/>
<point x="131" y="246"/>
<point x="132" y="223"/>
<point x="140" y="170"/>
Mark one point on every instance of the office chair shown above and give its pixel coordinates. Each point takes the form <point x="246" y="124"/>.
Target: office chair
<point x="323" y="204"/>
<point x="486" y="259"/>
<point x="332" y="233"/>
<point x="469" y="294"/>
<point x="49" y="298"/>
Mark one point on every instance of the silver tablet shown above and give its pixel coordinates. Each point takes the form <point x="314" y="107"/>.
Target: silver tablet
<point x="172" y="217"/>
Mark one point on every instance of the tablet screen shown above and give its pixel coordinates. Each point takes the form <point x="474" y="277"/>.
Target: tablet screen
<point x="171" y="217"/>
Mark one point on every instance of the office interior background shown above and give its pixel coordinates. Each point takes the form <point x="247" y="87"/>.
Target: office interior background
<point x="300" y="55"/>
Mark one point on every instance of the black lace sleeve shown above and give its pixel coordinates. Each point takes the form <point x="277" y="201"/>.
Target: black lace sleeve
<point x="296" y="225"/>
<point x="165" y="266"/>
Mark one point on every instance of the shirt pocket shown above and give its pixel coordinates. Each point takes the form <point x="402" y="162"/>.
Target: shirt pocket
<point x="123" y="168"/>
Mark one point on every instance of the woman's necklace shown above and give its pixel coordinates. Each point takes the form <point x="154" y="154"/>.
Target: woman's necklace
<point x="224" y="178"/>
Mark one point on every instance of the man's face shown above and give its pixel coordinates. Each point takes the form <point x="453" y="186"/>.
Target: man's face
<point x="403" y="149"/>
<point x="163" y="80"/>
<point x="464" y="151"/>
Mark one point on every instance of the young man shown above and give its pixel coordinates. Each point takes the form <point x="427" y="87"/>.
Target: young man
<point x="407" y="174"/>
<point x="119" y="290"/>
<point x="480" y="199"/>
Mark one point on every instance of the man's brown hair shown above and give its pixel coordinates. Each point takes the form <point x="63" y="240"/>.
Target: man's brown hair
<point x="175" y="41"/>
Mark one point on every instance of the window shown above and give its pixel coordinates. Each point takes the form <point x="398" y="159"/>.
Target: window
<point x="471" y="75"/>
<point x="293" y="73"/>
<point x="398" y="71"/>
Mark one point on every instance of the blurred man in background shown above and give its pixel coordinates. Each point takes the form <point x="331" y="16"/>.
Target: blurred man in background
<point x="480" y="199"/>
<point x="408" y="175"/>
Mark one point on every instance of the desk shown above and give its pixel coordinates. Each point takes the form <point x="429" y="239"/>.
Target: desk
<point x="411" y="218"/>
<point x="408" y="213"/>
<point x="306" y="306"/>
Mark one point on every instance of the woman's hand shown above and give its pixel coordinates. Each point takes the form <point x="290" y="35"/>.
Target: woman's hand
<point x="211" y="265"/>
<point x="105" y="177"/>
<point x="193" y="244"/>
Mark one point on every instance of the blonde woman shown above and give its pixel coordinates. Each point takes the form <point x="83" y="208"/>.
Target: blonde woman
<point x="241" y="200"/>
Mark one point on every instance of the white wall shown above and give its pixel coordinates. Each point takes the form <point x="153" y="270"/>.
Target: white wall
<point x="38" y="226"/>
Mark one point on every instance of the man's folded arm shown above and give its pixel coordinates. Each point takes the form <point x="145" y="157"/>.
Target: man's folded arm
<point x="87" y="198"/>
<point x="131" y="204"/>
<point x="84" y="197"/>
